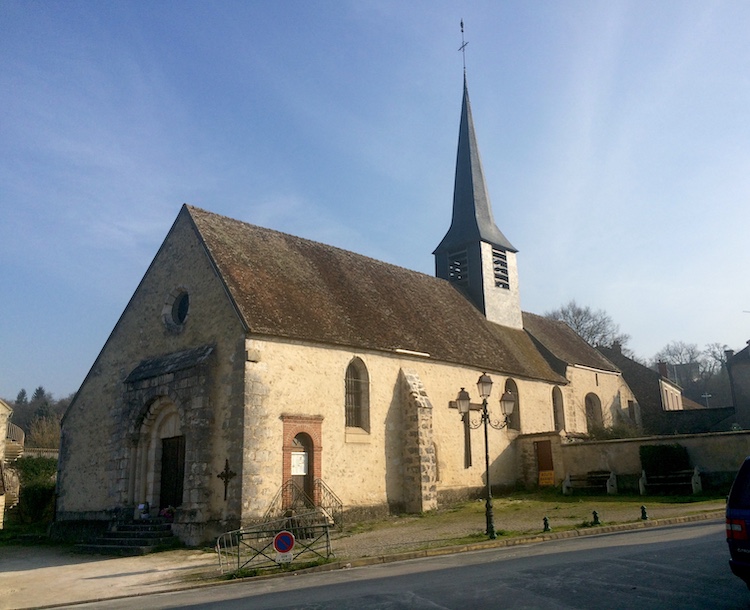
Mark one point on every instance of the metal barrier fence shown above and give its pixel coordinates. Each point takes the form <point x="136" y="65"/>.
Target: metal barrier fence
<point x="267" y="545"/>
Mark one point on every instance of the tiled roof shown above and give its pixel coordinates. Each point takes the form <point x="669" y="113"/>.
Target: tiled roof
<point x="564" y="343"/>
<point x="286" y="286"/>
<point x="642" y="380"/>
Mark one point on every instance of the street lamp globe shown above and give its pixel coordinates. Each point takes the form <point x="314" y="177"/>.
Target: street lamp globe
<point x="463" y="401"/>
<point x="484" y="385"/>
<point x="507" y="403"/>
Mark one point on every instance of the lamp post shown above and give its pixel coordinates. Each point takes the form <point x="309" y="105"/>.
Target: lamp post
<point x="507" y="402"/>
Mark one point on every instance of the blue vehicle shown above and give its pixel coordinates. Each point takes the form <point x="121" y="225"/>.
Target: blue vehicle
<point x="738" y="523"/>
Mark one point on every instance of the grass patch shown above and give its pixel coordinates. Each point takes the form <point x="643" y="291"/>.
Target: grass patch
<point x="290" y="567"/>
<point x="15" y="533"/>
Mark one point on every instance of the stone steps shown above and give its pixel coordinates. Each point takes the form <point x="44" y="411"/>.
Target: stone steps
<point x="134" y="538"/>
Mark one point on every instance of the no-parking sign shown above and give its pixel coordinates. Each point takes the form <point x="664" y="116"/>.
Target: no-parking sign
<point x="283" y="543"/>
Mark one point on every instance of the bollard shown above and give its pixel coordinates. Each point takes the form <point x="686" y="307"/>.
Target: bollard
<point x="596" y="519"/>
<point x="644" y="514"/>
<point x="546" y="524"/>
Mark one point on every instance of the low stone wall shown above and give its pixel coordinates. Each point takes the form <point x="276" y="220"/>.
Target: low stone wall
<point x="717" y="455"/>
<point x="78" y="530"/>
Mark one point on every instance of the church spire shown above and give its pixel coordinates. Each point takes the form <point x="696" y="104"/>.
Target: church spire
<point x="474" y="254"/>
<point x="472" y="210"/>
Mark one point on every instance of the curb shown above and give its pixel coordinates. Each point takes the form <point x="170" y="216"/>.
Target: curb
<point x="425" y="553"/>
<point x="521" y="540"/>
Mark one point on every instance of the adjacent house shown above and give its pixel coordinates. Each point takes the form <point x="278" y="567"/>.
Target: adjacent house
<point x="249" y="360"/>
<point x="659" y="406"/>
<point x="738" y="366"/>
<point x="6" y="484"/>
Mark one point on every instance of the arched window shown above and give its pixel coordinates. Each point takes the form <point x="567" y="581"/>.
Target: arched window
<point x="357" y="406"/>
<point x="593" y="411"/>
<point x="557" y="409"/>
<point x="514" y="421"/>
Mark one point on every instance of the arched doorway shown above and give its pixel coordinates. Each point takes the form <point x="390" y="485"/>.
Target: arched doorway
<point x="159" y="457"/>
<point x="302" y="463"/>
<point x="302" y="458"/>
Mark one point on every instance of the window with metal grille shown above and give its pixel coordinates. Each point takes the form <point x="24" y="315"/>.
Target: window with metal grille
<point x="458" y="268"/>
<point x="500" y="268"/>
<point x="357" y="405"/>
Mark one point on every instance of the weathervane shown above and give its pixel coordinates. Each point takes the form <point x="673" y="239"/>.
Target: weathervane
<point x="462" y="48"/>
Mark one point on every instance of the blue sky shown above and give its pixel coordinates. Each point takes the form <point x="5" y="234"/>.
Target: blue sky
<point x="614" y="137"/>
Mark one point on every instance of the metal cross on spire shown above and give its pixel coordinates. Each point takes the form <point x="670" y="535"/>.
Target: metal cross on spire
<point x="462" y="48"/>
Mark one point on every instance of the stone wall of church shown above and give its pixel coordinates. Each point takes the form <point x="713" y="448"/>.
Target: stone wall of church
<point x="373" y="469"/>
<point x="610" y="388"/>
<point x="98" y="435"/>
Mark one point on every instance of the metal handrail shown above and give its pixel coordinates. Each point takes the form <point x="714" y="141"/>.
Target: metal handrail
<point x="15" y="433"/>
<point x="329" y="502"/>
<point x="291" y="498"/>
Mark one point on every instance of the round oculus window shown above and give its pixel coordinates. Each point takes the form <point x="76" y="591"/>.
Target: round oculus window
<point x="176" y="308"/>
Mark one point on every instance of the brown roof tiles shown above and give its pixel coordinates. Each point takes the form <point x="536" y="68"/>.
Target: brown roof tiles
<point x="290" y="287"/>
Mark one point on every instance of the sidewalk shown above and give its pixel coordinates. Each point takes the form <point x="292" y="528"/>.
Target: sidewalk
<point x="34" y="577"/>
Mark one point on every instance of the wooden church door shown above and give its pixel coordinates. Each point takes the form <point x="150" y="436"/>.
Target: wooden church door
<point x="172" y="471"/>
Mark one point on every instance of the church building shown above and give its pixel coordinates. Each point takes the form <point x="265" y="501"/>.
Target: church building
<point x="249" y="363"/>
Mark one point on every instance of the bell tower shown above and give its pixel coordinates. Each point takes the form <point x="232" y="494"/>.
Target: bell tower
<point x="474" y="255"/>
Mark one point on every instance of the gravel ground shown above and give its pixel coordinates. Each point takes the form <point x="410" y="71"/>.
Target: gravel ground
<point x="512" y="518"/>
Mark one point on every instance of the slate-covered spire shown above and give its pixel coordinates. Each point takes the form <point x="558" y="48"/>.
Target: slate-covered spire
<point x="472" y="212"/>
<point x="474" y="255"/>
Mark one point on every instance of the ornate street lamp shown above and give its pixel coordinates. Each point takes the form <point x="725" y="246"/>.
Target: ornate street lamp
<point x="507" y="402"/>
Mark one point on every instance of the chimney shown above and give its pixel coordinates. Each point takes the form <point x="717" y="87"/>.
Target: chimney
<point x="662" y="368"/>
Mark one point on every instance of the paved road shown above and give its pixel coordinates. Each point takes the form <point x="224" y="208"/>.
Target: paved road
<point x="672" y="567"/>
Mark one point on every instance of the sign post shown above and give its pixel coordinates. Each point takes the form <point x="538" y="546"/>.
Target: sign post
<point x="283" y="543"/>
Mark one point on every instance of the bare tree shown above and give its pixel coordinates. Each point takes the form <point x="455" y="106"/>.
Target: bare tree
<point x="700" y="372"/>
<point x="44" y="432"/>
<point x="678" y="352"/>
<point x="595" y="327"/>
<point x="714" y="357"/>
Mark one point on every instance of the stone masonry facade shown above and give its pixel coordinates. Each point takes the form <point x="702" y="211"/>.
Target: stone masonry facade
<point x="419" y="460"/>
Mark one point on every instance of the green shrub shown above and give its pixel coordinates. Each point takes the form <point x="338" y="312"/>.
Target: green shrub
<point x="33" y="469"/>
<point x="619" y="430"/>
<point x="663" y="459"/>
<point x="36" y="502"/>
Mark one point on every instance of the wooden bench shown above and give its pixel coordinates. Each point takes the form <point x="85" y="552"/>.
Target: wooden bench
<point x="679" y="479"/>
<point x="594" y="480"/>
